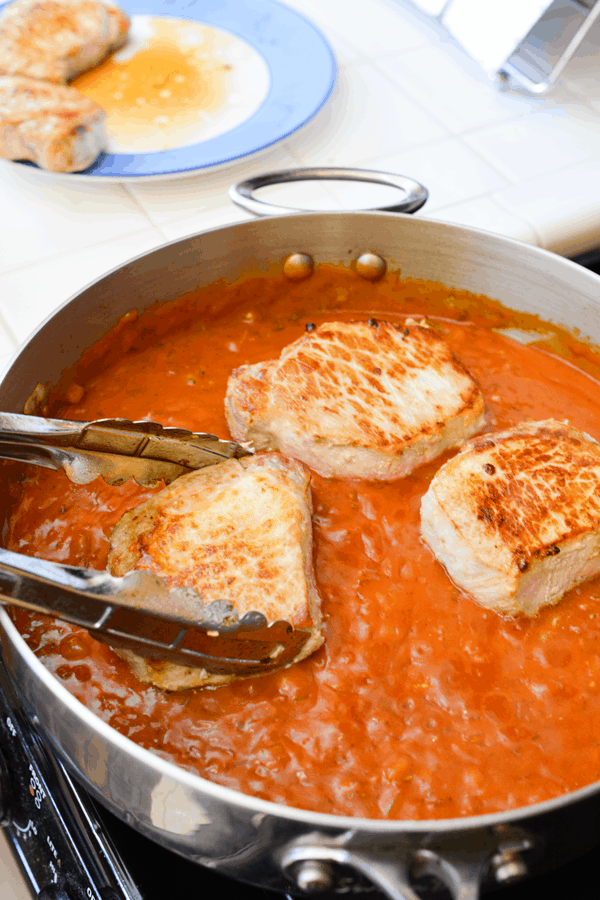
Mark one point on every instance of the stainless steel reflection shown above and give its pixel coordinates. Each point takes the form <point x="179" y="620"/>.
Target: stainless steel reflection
<point x="115" y="449"/>
<point x="413" y="194"/>
<point x="135" y="612"/>
<point x="242" y="836"/>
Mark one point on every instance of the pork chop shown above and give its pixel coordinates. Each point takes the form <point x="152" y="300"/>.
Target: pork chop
<point x="239" y="531"/>
<point x="55" y="40"/>
<point x="53" y="126"/>
<point x="515" y="516"/>
<point x="357" y="400"/>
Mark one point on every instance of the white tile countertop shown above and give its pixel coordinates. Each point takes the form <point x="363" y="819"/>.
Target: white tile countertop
<point x="407" y="100"/>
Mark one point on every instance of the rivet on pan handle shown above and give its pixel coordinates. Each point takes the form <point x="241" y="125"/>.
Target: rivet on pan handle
<point x="242" y="193"/>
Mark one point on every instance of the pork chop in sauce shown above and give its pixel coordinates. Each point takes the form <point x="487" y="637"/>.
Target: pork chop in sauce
<point x="357" y="400"/>
<point x="515" y="516"/>
<point x="239" y="531"/>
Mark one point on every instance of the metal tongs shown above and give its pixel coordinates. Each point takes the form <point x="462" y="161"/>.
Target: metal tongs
<point x="116" y="449"/>
<point x="133" y="611"/>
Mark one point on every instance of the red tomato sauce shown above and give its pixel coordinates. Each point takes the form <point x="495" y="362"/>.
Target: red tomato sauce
<point x="420" y="704"/>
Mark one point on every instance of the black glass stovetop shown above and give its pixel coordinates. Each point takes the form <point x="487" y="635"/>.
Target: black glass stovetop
<point x="161" y="874"/>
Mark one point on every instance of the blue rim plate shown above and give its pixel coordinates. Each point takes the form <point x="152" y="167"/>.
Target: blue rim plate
<point x="302" y="73"/>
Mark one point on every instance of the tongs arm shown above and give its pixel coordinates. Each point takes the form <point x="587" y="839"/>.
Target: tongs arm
<point x="116" y="449"/>
<point x="115" y="611"/>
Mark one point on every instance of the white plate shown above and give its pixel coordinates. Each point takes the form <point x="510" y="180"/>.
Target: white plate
<point x="203" y="87"/>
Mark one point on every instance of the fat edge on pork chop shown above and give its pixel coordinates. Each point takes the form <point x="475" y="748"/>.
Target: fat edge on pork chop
<point x="515" y="516"/>
<point x="240" y="531"/>
<point x="357" y="400"/>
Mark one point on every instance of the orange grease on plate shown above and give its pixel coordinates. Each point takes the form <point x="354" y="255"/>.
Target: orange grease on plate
<point x="159" y="97"/>
<point x="420" y="704"/>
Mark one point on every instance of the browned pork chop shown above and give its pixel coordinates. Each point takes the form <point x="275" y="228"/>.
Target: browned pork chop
<point x="53" y="126"/>
<point x="515" y="516"/>
<point x="55" y="40"/>
<point x="354" y="400"/>
<point x="239" y="531"/>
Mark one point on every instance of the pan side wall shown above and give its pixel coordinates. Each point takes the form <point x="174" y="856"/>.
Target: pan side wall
<point x="517" y="275"/>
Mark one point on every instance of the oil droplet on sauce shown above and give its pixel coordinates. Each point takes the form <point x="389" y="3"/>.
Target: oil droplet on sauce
<point x="175" y="83"/>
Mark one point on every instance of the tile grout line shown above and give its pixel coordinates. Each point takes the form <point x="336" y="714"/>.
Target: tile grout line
<point x="490" y="196"/>
<point x="4" y="324"/>
<point x="66" y="253"/>
<point x="515" y="182"/>
<point x="437" y="142"/>
<point x="511" y="181"/>
<point x="136" y="202"/>
<point x="507" y="208"/>
<point x="412" y="98"/>
<point x="328" y="30"/>
<point x="454" y="134"/>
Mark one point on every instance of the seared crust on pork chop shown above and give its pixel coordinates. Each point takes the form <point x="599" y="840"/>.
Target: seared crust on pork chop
<point x="55" y="40"/>
<point x="53" y="126"/>
<point x="515" y="516"/>
<point x="239" y="531"/>
<point x="354" y="400"/>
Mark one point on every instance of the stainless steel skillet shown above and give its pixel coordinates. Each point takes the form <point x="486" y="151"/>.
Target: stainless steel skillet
<point x="251" y="839"/>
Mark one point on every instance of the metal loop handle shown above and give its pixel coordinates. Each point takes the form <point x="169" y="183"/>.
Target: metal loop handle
<point x="242" y="193"/>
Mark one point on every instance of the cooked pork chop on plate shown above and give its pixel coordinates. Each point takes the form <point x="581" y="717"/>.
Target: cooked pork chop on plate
<point x="55" y="40"/>
<point x="239" y="531"/>
<point x="354" y="400"/>
<point x="53" y="126"/>
<point x="515" y="516"/>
